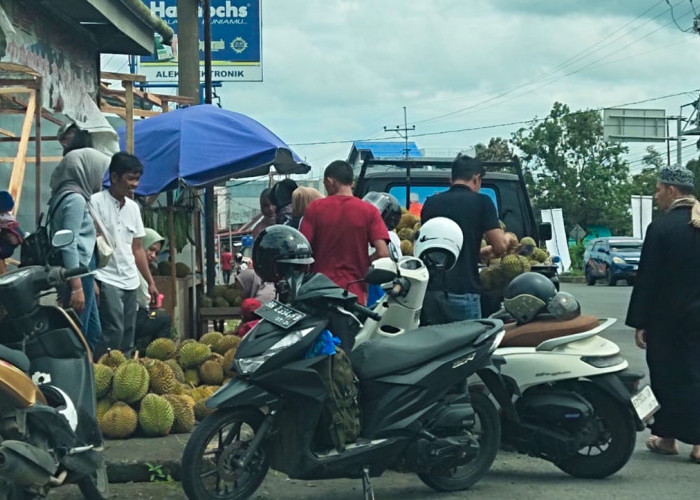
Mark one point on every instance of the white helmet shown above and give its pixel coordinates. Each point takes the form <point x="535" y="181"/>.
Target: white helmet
<point x="438" y="243"/>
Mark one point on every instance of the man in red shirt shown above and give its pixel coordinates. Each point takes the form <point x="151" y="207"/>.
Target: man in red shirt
<point x="226" y="263"/>
<point x="339" y="227"/>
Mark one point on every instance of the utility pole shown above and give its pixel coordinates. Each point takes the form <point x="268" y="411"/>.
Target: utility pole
<point x="406" y="150"/>
<point x="188" y="48"/>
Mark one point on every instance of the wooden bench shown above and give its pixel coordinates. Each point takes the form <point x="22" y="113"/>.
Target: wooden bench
<point x="216" y="314"/>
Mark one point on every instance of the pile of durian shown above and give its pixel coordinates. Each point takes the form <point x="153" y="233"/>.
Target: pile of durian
<point x="165" y="391"/>
<point x="519" y="258"/>
<point x="223" y="296"/>
<point x="406" y="230"/>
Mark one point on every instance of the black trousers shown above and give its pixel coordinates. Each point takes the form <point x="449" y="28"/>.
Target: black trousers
<point x="152" y="324"/>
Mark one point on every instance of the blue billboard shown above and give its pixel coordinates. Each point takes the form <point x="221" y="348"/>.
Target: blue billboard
<point x="236" y="43"/>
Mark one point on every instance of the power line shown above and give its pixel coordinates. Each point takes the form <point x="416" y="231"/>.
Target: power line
<point x="673" y="16"/>
<point x="485" y="127"/>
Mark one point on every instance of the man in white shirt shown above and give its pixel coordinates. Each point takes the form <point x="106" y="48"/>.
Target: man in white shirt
<point x="119" y="279"/>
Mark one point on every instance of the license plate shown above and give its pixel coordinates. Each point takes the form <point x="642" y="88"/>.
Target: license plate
<point x="645" y="404"/>
<point x="280" y="314"/>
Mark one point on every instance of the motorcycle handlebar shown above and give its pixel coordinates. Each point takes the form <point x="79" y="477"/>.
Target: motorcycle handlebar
<point x="77" y="271"/>
<point x="366" y="311"/>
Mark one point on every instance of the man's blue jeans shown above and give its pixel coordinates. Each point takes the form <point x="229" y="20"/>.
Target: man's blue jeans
<point x="441" y="307"/>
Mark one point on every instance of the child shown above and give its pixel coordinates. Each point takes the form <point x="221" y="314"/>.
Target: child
<point x="248" y="317"/>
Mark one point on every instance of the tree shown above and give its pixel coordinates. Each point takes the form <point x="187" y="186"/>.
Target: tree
<point x="499" y="149"/>
<point x="694" y="166"/>
<point x="569" y="165"/>
<point x="644" y="183"/>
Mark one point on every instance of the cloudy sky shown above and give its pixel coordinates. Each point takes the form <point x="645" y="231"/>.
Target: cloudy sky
<point x="340" y="70"/>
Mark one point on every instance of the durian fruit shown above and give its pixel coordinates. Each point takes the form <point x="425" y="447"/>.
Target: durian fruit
<point x="103" y="380"/>
<point x="156" y="415"/>
<point x="226" y="343"/>
<point x="193" y="354"/>
<point x="216" y="357"/>
<point x="192" y="377"/>
<point x="164" y="268"/>
<point x="211" y="373"/>
<point x="540" y="255"/>
<point x="233" y="296"/>
<point x="218" y="291"/>
<point x="492" y="278"/>
<point x="408" y="220"/>
<point x="206" y="302"/>
<point x="182" y="270"/>
<point x="221" y="302"/>
<point x="406" y="234"/>
<point x="130" y="382"/>
<point x="528" y="240"/>
<point x="513" y="265"/>
<point x="228" y="363"/>
<point x="177" y="370"/>
<point x="112" y="358"/>
<point x="161" y="348"/>
<point x="183" y="411"/>
<point x="211" y="338"/>
<point x="162" y="378"/>
<point x="119" y="422"/>
<point x="406" y="247"/>
<point x="417" y="226"/>
<point x="103" y="405"/>
<point x="201" y="411"/>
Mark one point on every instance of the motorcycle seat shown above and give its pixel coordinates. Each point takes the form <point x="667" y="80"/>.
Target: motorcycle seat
<point x="15" y="358"/>
<point x="383" y="356"/>
<point x="534" y="333"/>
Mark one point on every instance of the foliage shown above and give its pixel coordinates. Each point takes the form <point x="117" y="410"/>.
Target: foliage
<point x="576" y="253"/>
<point x="157" y="474"/>
<point x="644" y="183"/>
<point x="569" y="165"/>
<point x="694" y="165"/>
<point x="498" y="149"/>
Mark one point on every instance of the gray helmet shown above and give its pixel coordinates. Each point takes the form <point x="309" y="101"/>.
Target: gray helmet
<point x="564" y="306"/>
<point x="528" y="295"/>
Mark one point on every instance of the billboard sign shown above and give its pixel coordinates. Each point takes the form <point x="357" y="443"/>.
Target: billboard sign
<point x="236" y="42"/>
<point x="634" y="125"/>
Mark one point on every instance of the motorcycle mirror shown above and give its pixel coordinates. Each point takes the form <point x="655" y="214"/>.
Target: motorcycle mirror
<point x="62" y="238"/>
<point x="376" y="276"/>
<point x="394" y="252"/>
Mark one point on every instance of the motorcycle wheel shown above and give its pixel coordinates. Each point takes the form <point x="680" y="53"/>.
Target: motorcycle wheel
<point x="489" y="437"/>
<point x="96" y="485"/>
<point x="615" y="443"/>
<point x="209" y="467"/>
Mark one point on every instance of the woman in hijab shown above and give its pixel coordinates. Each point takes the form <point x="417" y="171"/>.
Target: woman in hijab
<point x="73" y="182"/>
<point x="253" y="287"/>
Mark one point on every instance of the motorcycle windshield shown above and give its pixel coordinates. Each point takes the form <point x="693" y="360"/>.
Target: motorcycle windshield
<point x="320" y="286"/>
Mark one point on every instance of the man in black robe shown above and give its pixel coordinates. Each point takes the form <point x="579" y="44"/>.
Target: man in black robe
<point x="665" y="311"/>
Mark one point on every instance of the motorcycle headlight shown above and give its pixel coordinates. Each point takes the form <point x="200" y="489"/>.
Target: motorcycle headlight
<point x="619" y="260"/>
<point x="246" y="366"/>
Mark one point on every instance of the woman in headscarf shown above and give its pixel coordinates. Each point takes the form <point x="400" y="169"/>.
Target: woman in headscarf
<point x="301" y="198"/>
<point x="73" y="182"/>
<point x="253" y="287"/>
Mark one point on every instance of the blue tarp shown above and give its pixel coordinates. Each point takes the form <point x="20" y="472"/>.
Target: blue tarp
<point x="204" y="144"/>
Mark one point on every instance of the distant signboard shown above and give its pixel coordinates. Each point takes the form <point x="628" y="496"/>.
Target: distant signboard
<point x="634" y="125"/>
<point x="236" y="42"/>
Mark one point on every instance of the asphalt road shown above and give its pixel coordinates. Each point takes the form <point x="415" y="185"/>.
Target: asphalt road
<point x="646" y="476"/>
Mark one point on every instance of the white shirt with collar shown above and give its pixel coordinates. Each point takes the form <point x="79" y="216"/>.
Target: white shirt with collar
<point x="124" y="224"/>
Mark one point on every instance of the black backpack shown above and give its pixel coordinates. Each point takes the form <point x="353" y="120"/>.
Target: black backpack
<point x="36" y="248"/>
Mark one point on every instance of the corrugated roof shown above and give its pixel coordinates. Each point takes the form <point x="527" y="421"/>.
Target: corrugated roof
<point x="384" y="149"/>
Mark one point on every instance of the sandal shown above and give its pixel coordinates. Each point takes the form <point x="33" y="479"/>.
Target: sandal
<point x="694" y="459"/>
<point x="653" y="446"/>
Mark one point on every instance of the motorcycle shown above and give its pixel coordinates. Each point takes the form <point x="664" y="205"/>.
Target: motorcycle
<point x="564" y="390"/>
<point x="412" y="418"/>
<point x="48" y="427"/>
<point x="568" y="396"/>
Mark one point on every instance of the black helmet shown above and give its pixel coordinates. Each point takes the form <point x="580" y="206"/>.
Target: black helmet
<point x="388" y="207"/>
<point x="527" y="295"/>
<point x="564" y="306"/>
<point x="278" y="250"/>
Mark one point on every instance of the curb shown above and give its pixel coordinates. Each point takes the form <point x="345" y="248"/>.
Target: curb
<point x="572" y="279"/>
<point x="143" y="460"/>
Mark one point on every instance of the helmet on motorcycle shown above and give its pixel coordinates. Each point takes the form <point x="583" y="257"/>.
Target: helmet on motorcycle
<point x="528" y="295"/>
<point x="564" y="306"/>
<point x="438" y="243"/>
<point x="62" y="403"/>
<point x="388" y="207"/>
<point x="278" y="250"/>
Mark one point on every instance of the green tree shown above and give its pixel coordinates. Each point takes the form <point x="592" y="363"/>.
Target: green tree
<point x="498" y="149"/>
<point x="569" y="165"/>
<point x="644" y="183"/>
<point x="694" y="165"/>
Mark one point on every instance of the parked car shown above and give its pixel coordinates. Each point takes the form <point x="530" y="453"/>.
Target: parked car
<point x="613" y="258"/>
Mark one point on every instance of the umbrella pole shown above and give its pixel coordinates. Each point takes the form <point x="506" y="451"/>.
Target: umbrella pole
<point x="171" y="239"/>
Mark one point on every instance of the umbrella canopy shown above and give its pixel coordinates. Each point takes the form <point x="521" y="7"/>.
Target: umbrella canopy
<point x="204" y="144"/>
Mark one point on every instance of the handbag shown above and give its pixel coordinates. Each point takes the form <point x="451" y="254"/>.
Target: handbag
<point x="104" y="245"/>
<point x="36" y="248"/>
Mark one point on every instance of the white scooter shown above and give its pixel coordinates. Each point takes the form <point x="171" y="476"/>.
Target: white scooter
<point x="566" y="395"/>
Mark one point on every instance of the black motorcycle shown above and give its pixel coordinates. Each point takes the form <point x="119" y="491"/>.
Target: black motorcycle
<point x="48" y="427"/>
<point x="415" y="413"/>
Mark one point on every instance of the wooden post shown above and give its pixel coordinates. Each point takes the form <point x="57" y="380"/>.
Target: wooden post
<point x="37" y="154"/>
<point x="19" y="164"/>
<point x="129" y="88"/>
<point x="171" y="241"/>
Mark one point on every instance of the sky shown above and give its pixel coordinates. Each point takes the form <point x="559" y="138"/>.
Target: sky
<point x="340" y="70"/>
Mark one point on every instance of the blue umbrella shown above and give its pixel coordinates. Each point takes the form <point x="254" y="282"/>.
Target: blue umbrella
<point x="204" y="144"/>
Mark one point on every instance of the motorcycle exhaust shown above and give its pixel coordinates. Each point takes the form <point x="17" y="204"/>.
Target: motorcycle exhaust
<point x="25" y="465"/>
